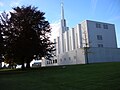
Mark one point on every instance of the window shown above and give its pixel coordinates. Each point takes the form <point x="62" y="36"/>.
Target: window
<point x="47" y="62"/>
<point x="50" y="61"/>
<point x="55" y="61"/>
<point x="98" y="25"/>
<point x="99" y="37"/>
<point x="64" y="59"/>
<point x="74" y="57"/>
<point x="69" y="58"/>
<point x="105" y="26"/>
<point x="100" y="45"/>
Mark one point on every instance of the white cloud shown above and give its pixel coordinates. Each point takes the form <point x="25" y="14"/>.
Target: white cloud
<point x="1" y="4"/>
<point x="55" y="29"/>
<point x="93" y="5"/>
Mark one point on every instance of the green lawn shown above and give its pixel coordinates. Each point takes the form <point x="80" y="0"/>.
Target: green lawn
<point x="102" y="76"/>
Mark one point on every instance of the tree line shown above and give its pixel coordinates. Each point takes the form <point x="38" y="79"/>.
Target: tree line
<point x="24" y="36"/>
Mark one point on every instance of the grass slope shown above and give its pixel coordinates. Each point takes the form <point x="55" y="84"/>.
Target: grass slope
<point x="103" y="76"/>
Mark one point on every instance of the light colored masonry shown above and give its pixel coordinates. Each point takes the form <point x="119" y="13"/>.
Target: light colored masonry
<point x="88" y="42"/>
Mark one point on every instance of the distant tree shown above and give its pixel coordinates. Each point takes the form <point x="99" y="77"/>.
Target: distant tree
<point x="27" y="36"/>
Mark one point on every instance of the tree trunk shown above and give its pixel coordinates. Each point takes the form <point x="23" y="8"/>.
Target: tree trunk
<point x="23" y="66"/>
<point x="28" y="64"/>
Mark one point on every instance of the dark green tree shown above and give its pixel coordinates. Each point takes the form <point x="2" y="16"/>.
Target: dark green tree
<point x="28" y="36"/>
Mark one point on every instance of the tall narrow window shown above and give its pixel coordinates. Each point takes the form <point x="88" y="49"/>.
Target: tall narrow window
<point x="69" y="58"/>
<point x="55" y="60"/>
<point x="98" y="25"/>
<point x="61" y="60"/>
<point x="47" y="62"/>
<point x="99" y="37"/>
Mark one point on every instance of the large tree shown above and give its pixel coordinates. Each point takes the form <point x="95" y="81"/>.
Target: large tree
<point x="27" y="35"/>
<point x="3" y="24"/>
<point x="1" y="45"/>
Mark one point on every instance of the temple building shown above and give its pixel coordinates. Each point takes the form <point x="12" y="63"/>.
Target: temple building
<point x="88" y="42"/>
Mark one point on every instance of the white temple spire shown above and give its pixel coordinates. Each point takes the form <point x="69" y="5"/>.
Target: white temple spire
<point x="62" y="11"/>
<point x="63" y="21"/>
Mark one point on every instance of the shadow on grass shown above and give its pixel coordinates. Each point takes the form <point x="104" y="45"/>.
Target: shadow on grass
<point x="11" y="71"/>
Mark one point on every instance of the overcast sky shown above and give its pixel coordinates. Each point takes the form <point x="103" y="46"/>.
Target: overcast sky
<point x="75" y="11"/>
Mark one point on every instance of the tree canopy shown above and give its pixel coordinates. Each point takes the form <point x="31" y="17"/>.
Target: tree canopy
<point x="26" y="34"/>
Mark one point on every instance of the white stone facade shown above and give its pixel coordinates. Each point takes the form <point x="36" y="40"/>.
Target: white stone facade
<point x="98" y="37"/>
<point x="103" y="34"/>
